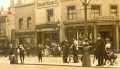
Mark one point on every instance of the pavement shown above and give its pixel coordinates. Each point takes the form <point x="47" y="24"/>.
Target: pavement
<point x="57" y="61"/>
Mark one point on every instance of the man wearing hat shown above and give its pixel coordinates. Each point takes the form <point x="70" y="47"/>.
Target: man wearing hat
<point x="100" y="50"/>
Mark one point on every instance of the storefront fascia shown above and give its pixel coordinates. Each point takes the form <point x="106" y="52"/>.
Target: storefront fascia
<point x="76" y="30"/>
<point x="111" y="28"/>
<point x="47" y="32"/>
<point x="26" y="38"/>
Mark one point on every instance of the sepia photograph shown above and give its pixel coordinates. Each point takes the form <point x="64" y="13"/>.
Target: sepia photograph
<point x="59" y="34"/>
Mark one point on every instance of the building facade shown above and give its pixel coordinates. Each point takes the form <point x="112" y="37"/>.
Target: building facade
<point x="47" y="21"/>
<point x="3" y="37"/>
<point x="25" y="22"/>
<point x="6" y="27"/>
<point x="57" y="20"/>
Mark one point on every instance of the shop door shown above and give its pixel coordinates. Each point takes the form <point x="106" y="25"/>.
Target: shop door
<point x="106" y="34"/>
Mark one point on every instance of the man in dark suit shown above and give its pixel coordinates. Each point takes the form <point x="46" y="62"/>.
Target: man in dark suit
<point x="65" y="49"/>
<point x="22" y="53"/>
<point x="40" y="52"/>
<point x="100" y="50"/>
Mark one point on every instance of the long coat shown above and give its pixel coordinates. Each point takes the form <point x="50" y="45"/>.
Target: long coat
<point x="100" y="48"/>
<point x="86" y="61"/>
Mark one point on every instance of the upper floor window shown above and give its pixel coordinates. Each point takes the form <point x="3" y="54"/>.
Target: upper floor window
<point x="20" y="23"/>
<point x="28" y="22"/>
<point x="50" y="14"/>
<point x="71" y="12"/>
<point x="114" y="10"/>
<point x="96" y="10"/>
<point x="20" y="1"/>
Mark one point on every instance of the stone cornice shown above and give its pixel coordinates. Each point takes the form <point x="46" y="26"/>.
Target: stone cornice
<point x="24" y="5"/>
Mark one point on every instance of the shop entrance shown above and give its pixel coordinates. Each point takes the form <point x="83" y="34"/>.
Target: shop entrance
<point x="42" y="37"/>
<point x="106" y="34"/>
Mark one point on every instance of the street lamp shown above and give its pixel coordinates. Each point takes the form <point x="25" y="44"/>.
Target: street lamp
<point x="86" y="60"/>
<point x="85" y="3"/>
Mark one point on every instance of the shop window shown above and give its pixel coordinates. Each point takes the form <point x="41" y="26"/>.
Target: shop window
<point x="20" y="23"/>
<point x="113" y="10"/>
<point x="50" y="15"/>
<point x="71" y="13"/>
<point x="28" y="22"/>
<point x="96" y="10"/>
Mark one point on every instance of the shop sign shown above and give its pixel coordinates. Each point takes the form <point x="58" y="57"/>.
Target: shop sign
<point x="46" y="3"/>
<point x="100" y="18"/>
<point x="46" y="29"/>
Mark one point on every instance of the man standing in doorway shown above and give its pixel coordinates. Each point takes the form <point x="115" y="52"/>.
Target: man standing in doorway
<point x="100" y="50"/>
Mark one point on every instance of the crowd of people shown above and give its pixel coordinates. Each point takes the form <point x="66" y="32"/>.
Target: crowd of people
<point x="71" y="51"/>
<point x="103" y="51"/>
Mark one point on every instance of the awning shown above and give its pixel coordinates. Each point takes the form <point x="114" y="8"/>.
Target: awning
<point x="46" y="29"/>
<point x="42" y="26"/>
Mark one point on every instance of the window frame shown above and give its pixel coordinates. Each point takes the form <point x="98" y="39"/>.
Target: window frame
<point x="50" y="14"/>
<point x="114" y="10"/>
<point x="29" y="21"/>
<point x="71" y="12"/>
<point x="20" y="23"/>
<point x="96" y="9"/>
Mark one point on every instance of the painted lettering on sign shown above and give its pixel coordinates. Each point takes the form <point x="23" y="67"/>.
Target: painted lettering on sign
<point x="46" y="3"/>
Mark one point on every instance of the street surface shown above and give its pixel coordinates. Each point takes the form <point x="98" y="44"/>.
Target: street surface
<point x="51" y="63"/>
<point x="7" y="66"/>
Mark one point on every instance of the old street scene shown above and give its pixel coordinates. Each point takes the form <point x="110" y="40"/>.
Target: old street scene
<point x="62" y="34"/>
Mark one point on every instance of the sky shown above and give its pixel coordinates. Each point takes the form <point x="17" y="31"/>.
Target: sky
<point x="4" y="3"/>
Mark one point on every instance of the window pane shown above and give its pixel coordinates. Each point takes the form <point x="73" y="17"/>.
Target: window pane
<point x="113" y="10"/>
<point x="71" y="12"/>
<point x="50" y="14"/>
<point x="28" y="22"/>
<point x="95" y="10"/>
<point x="20" y="23"/>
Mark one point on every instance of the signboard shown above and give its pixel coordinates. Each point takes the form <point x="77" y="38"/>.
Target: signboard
<point x="47" y="29"/>
<point x="46" y="3"/>
<point x="100" y="18"/>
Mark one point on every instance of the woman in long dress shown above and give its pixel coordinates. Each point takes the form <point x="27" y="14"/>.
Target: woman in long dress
<point x="86" y="61"/>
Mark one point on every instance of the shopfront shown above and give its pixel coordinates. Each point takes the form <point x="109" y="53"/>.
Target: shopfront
<point x="3" y="42"/>
<point x="106" y="28"/>
<point x="107" y="31"/>
<point x="76" y="31"/>
<point x="26" y="38"/>
<point x="109" y="28"/>
<point x="47" y="33"/>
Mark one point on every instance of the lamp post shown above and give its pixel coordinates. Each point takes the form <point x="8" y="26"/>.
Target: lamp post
<point x="86" y="61"/>
<point x="85" y="4"/>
